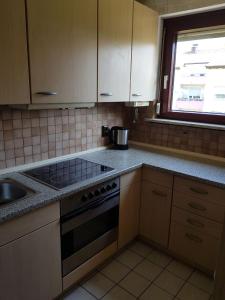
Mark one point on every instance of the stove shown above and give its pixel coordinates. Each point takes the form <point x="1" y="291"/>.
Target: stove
<point x="65" y="173"/>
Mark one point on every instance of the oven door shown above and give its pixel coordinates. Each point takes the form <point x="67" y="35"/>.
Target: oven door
<point x="86" y="234"/>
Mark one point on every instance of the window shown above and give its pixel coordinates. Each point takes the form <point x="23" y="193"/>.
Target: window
<point x="193" y="68"/>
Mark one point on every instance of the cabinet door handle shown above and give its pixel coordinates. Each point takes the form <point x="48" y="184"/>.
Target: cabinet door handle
<point x="195" y="223"/>
<point x="47" y="93"/>
<point x="106" y="94"/>
<point x="158" y="193"/>
<point x="198" y="191"/>
<point x="197" y="206"/>
<point x="193" y="238"/>
<point x="137" y="95"/>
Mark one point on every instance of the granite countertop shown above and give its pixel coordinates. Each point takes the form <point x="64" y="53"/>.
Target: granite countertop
<point x="122" y="162"/>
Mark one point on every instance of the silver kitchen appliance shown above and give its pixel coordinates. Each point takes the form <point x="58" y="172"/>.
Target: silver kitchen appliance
<point x="119" y="137"/>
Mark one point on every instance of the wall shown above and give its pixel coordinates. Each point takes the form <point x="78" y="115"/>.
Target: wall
<point x="29" y="136"/>
<point x="169" y="6"/>
<point x="199" y="140"/>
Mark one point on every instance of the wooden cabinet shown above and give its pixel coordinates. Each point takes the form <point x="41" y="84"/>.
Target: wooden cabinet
<point x="63" y="50"/>
<point x="144" y="53"/>
<point x="30" y="263"/>
<point x="129" y="207"/>
<point x="156" y="206"/>
<point x="14" y="78"/>
<point x="114" y="50"/>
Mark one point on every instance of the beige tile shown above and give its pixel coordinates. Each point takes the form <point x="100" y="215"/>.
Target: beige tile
<point x="149" y="270"/>
<point x="190" y="292"/>
<point x="98" y="285"/>
<point x="159" y="258"/>
<point x="115" y="271"/>
<point x="79" y="294"/>
<point x="169" y="282"/>
<point x="202" y="281"/>
<point x="155" y="293"/>
<point x="134" y="284"/>
<point x="181" y="270"/>
<point x="140" y="248"/>
<point x="118" y="293"/>
<point x="129" y="258"/>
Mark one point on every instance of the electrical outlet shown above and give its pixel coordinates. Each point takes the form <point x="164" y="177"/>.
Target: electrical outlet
<point x="105" y="131"/>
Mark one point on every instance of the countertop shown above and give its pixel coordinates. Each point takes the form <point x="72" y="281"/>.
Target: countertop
<point x="122" y="162"/>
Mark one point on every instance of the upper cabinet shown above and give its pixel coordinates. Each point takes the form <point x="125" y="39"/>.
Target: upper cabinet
<point x="144" y="53"/>
<point x="114" y="50"/>
<point x="63" y="50"/>
<point x="14" y="78"/>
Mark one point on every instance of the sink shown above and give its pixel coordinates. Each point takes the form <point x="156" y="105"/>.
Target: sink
<point x="11" y="190"/>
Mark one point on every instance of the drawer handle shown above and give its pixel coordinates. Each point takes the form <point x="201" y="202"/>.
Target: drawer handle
<point x="106" y="94"/>
<point x="198" y="191"/>
<point x="195" y="223"/>
<point x="197" y="206"/>
<point x="137" y="95"/>
<point x="47" y="93"/>
<point x="158" y="193"/>
<point x="193" y="238"/>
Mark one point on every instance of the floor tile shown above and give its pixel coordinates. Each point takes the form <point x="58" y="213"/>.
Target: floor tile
<point x="79" y="294"/>
<point x="115" y="271"/>
<point x="202" y="281"/>
<point x="159" y="258"/>
<point x="134" y="283"/>
<point x="169" y="282"/>
<point x="140" y="248"/>
<point x="190" y="292"/>
<point x="118" y="293"/>
<point x="155" y="293"/>
<point x="149" y="270"/>
<point x="98" y="285"/>
<point x="181" y="270"/>
<point x="129" y="258"/>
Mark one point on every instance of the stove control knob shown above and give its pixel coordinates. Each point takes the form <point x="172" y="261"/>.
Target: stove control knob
<point x="84" y="198"/>
<point x="103" y="190"/>
<point x="90" y="195"/>
<point x="114" y="185"/>
<point x="97" y="193"/>
<point x="108" y="187"/>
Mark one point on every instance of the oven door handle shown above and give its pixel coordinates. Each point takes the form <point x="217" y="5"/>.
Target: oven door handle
<point x="88" y="207"/>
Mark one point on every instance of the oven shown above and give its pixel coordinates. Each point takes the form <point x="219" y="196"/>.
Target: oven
<point x="89" y="223"/>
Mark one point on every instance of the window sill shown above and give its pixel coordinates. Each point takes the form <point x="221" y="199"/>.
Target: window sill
<point x="186" y="123"/>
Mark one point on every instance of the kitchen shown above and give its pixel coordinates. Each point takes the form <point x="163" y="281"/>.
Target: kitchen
<point x="112" y="173"/>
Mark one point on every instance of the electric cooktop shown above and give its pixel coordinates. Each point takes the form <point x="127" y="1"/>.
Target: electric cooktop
<point x="65" y="173"/>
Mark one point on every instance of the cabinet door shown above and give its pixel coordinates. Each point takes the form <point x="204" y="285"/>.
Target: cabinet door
<point x="144" y="53"/>
<point x="129" y="213"/>
<point x="155" y="213"/>
<point x="14" y="82"/>
<point x="63" y="50"/>
<point x="115" y="35"/>
<point x="31" y="266"/>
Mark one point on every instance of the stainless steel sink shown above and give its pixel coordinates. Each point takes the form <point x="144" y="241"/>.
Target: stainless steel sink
<point x="11" y="190"/>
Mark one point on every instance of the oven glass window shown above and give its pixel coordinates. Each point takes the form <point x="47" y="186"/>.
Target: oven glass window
<point x="83" y="235"/>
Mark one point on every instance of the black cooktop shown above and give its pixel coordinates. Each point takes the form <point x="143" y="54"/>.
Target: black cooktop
<point x="65" y="173"/>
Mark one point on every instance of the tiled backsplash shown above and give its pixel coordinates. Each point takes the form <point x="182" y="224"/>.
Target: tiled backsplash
<point x="29" y="136"/>
<point x="199" y="140"/>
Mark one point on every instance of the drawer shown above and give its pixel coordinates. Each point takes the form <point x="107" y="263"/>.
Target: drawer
<point x="199" y="190"/>
<point x="199" y="207"/>
<point x="158" y="177"/>
<point x="196" y="222"/>
<point x="192" y="244"/>
<point x="29" y="222"/>
<point x="130" y="178"/>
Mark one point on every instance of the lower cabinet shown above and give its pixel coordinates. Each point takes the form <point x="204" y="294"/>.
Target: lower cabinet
<point x="30" y="266"/>
<point x="155" y="213"/>
<point x="129" y="207"/>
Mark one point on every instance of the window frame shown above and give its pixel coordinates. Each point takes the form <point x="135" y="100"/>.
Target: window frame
<point x="171" y="27"/>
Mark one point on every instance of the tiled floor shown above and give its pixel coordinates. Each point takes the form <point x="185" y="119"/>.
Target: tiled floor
<point x="140" y="272"/>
